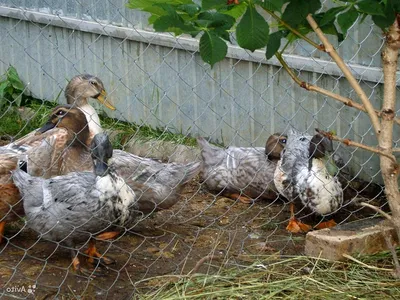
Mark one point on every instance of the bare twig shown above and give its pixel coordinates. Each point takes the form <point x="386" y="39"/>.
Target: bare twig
<point x="396" y="150"/>
<point x="291" y="29"/>
<point x="310" y="87"/>
<point x="377" y="209"/>
<point x="364" y="264"/>
<point x="201" y="262"/>
<point x="349" y="142"/>
<point x="346" y="71"/>
<point x="392" y="249"/>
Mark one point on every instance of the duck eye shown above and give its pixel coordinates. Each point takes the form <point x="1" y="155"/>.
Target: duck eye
<point x="283" y="141"/>
<point x="60" y="113"/>
<point x="92" y="82"/>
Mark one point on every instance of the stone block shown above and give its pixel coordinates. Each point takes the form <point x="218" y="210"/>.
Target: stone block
<point x="360" y="237"/>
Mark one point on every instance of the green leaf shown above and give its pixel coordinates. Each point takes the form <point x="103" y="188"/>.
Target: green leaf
<point x="212" y="48"/>
<point x="3" y="87"/>
<point x="252" y="31"/>
<point x="274" y="5"/>
<point x="17" y="97"/>
<point x="274" y="43"/>
<point x="390" y="15"/>
<point x="330" y="15"/>
<point x="297" y="10"/>
<point x="347" y="19"/>
<point x="212" y="4"/>
<point x="140" y="4"/>
<point x="13" y="78"/>
<point x="190" y="9"/>
<point x="370" y="7"/>
<point x="235" y="11"/>
<point x="174" y="23"/>
<point x="216" y="19"/>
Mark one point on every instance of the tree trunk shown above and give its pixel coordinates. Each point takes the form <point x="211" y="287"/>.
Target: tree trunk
<point x="390" y="170"/>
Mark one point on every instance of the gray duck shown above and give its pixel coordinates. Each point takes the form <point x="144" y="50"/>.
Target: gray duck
<point x="73" y="208"/>
<point x="241" y="172"/>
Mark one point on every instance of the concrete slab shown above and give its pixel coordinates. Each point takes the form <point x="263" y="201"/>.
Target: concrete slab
<point x="163" y="150"/>
<point x="361" y="237"/>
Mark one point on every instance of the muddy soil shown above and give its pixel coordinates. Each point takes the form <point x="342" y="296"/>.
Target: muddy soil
<point x="201" y="234"/>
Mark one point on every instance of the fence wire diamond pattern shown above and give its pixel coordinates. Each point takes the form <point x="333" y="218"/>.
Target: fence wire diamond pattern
<point x="165" y="97"/>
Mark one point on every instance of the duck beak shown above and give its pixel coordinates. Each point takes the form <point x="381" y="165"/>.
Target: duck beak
<point x="100" y="168"/>
<point x="102" y="98"/>
<point x="46" y="127"/>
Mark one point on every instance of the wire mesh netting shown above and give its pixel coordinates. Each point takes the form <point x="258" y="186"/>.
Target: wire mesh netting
<point x="202" y="206"/>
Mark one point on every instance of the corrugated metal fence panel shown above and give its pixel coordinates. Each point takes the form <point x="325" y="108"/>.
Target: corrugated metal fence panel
<point x="237" y="102"/>
<point x="356" y="49"/>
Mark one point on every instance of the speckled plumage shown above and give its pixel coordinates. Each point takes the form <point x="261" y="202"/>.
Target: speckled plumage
<point x="73" y="207"/>
<point x="301" y="177"/>
<point x="249" y="171"/>
<point x="161" y="182"/>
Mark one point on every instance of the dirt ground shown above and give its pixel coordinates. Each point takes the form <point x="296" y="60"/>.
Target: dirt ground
<point x="201" y="234"/>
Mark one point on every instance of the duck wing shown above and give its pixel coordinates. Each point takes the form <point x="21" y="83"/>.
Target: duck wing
<point x="43" y="152"/>
<point x="237" y="169"/>
<point x="64" y="207"/>
<point x="146" y="170"/>
<point x="157" y="183"/>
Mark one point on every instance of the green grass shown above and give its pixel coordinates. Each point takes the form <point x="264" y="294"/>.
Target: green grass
<point x="282" y="278"/>
<point x="126" y="131"/>
<point x="14" y="126"/>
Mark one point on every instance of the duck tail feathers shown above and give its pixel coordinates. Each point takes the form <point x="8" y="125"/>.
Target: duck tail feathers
<point x="190" y="171"/>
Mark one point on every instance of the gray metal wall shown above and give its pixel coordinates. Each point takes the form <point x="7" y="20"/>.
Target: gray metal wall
<point x="157" y="80"/>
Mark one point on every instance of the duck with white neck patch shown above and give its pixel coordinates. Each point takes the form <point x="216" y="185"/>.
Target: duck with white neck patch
<point x="307" y="176"/>
<point x="77" y="93"/>
<point x="71" y="209"/>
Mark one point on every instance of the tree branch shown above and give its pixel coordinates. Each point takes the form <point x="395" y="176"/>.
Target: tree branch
<point x="390" y="53"/>
<point x="351" y="143"/>
<point x="310" y="87"/>
<point x="346" y="71"/>
<point x="291" y="29"/>
<point x="377" y="209"/>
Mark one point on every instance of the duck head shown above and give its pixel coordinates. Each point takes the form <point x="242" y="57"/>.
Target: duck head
<point x="102" y="151"/>
<point x="70" y="118"/>
<point x="319" y="145"/>
<point x="85" y="86"/>
<point x="275" y="145"/>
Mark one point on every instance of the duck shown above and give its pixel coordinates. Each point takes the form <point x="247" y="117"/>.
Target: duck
<point x="242" y="173"/>
<point x="60" y="150"/>
<point x="306" y="175"/>
<point x="159" y="183"/>
<point x="73" y="208"/>
<point x="77" y="92"/>
<point x="163" y="181"/>
<point x="63" y="150"/>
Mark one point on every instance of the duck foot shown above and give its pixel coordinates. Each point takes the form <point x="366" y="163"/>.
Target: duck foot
<point x="83" y="271"/>
<point x="107" y="235"/>
<point x="241" y="198"/>
<point x="2" y="228"/>
<point x="328" y="224"/>
<point x="296" y="226"/>
<point x="93" y="253"/>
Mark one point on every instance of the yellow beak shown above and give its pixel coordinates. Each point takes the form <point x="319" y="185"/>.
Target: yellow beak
<point x="102" y="98"/>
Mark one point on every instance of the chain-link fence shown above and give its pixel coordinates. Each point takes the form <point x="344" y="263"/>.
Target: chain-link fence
<point x="165" y="96"/>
